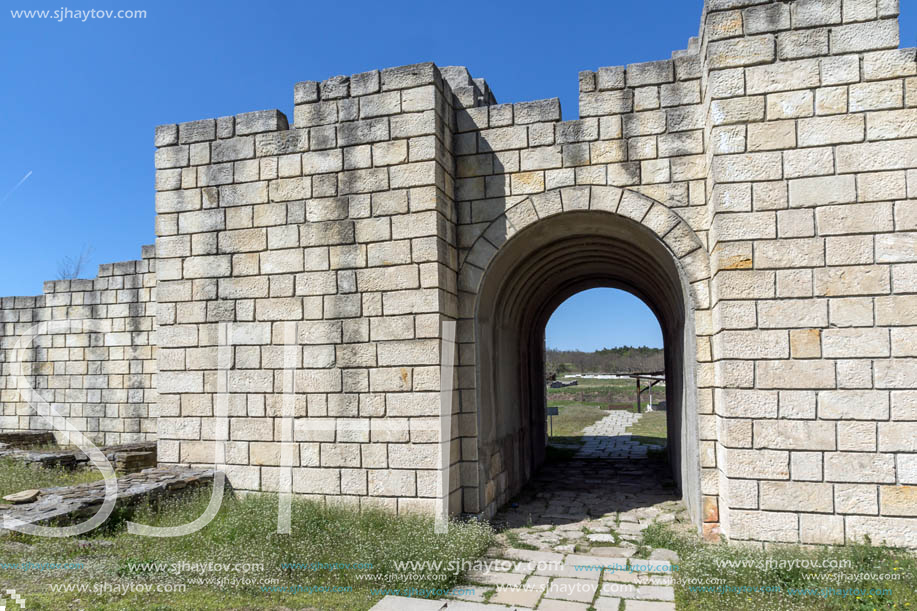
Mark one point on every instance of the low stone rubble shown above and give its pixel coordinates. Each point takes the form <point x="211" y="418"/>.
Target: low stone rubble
<point x="65" y="504"/>
<point x="24" y="439"/>
<point x="72" y="458"/>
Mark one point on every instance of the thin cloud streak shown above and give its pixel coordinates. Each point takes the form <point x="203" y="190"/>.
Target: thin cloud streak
<point x="13" y="190"/>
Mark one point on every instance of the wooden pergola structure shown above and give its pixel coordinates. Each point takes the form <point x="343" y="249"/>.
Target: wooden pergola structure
<point x="652" y="378"/>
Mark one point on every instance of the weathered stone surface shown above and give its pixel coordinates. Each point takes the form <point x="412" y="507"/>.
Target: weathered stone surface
<point x="25" y="496"/>
<point x="66" y="504"/>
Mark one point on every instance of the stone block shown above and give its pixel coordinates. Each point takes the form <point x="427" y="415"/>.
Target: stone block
<point x="260" y="121"/>
<point x="845" y="219"/>
<point x="772" y="135"/>
<point x="859" y="467"/>
<point x="790" y="105"/>
<point x="897" y="436"/>
<point x="892" y="124"/>
<point x="390" y="482"/>
<point x="197" y="131"/>
<point x="782" y="76"/>
<point x="857" y="37"/>
<point x="764" y="525"/>
<point x="747" y="167"/>
<point x="856" y="436"/>
<point x="898" y="500"/>
<point x="809" y="13"/>
<point x="792" y="374"/>
<point x="806" y="466"/>
<point x="894" y="63"/>
<point x="802" y="43"/>
<point x="848" y="343"/>
<point x="821" y="131"/>
<point x="794" y="435"/>
<point x="853" y="404"/>
<point x="600" y="103"/>
<point x="746" y="51"/>
<point x="830" y="100"/>
<point x="737" y="110"/>
<point x="801" y="496"/>
<point x="876" y="96"/>
<point x="754" y="464"/>
<point x="882" y="530"/>
<point x="821" y="529"/>
<point x="856" y="499"/>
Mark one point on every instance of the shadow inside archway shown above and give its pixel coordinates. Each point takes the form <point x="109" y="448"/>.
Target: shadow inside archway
<point x="565" y="491"/>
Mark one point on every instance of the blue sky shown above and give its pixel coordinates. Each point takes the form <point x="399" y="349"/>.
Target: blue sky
<point x="80" y="99"/>
<point x="602" y="318"/>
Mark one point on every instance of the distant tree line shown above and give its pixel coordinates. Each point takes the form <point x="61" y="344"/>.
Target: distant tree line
<point x="624" y="359"/>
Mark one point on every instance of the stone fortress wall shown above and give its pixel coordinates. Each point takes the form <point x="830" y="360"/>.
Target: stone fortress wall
<point x="88" y="348"/>
<point x="767" y="173"/>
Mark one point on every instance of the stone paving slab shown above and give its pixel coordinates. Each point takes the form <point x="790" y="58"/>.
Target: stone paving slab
<point x="608" y="438"/>
<point x="404" y="603"/>
<point x="568" y="569"/>
<point x="522" y="598"/>
<point x="607" y="603"/>
<point x="578" y="590"/>
<point x="643" y="605"/>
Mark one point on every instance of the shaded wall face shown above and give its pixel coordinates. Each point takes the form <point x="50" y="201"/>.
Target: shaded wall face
<point x="88" y="348"/>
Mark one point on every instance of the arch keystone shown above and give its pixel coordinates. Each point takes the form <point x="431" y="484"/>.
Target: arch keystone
<point x="605" y="198"/>
<point x="575" y="198"/>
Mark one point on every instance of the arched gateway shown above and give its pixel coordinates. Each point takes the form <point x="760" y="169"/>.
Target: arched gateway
<point x="757" y="190"/>
<point x="528" y="261"/>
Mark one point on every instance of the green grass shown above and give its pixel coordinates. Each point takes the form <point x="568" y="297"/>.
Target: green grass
<point x="244" y="531"/>
<point x="650" y="428"/>
<point x="700" y="563"/>
<point x="572" y="419"/>
<point x="567" y="402"/>
<point x="618" y="394"/>
<point x="16" y="476"/>
<point x="598" y="386"/>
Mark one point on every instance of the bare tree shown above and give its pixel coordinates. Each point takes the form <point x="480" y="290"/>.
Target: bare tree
<point x="69" y="268"/>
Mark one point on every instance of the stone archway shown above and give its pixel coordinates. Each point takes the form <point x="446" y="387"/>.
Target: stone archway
<point x="528" y="261"/>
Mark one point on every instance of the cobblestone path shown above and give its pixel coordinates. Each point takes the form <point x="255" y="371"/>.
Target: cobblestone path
<point x="570" y="541"/>
<point x="608" y="438"/>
